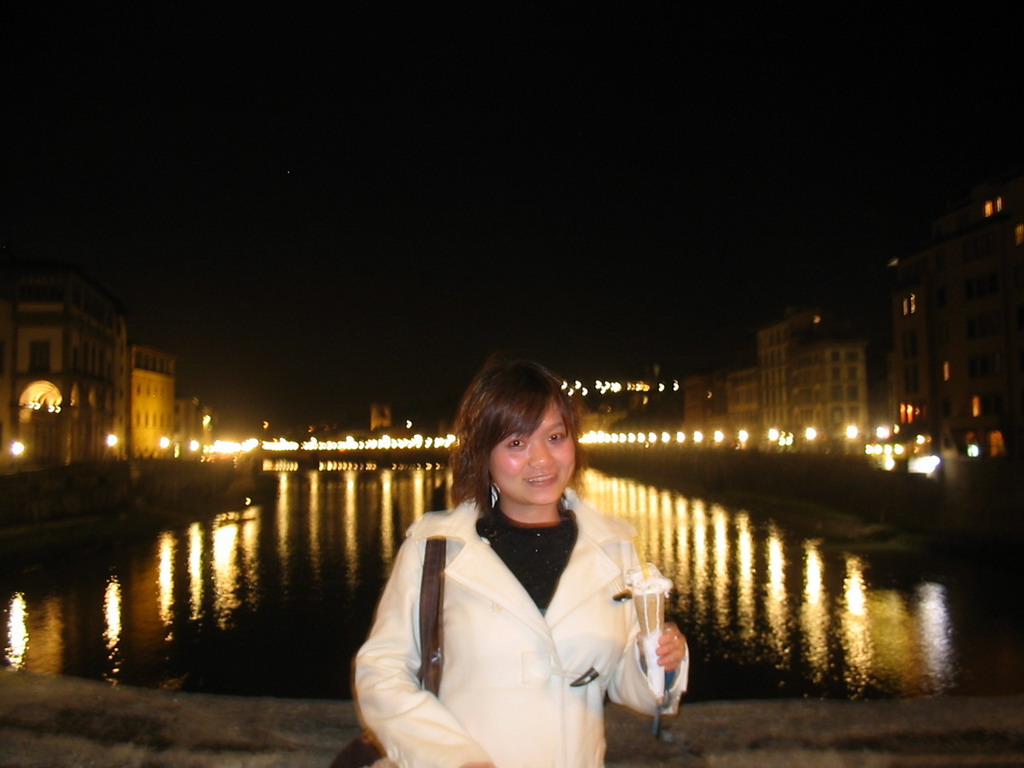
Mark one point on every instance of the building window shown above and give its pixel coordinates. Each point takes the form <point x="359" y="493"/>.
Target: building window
<point x="908" y="413"/>
<point x="985" y="324"/>
<point x="910" y="381"/>
<point x="1018" y="234"/>
<point x="979" y="286"/>
<point x="909" y="304"/>
<point x="945" y="370"/>
<point x="39" y="356"/>
<point x="909" y="347"/>
<point x="984" y="365"/>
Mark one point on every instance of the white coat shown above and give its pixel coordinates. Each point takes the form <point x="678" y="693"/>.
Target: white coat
<point x="505" y="693"/>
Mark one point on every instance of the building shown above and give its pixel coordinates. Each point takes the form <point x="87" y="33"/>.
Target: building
<point x="63" y="357"/>
<point x="705" y="403"/>
<point x="813" y="379"/>
<point x="193" y="426"/>
<point x="958" y="327"/>
<point x="743" y="402"/>
<point x="152" y="403"/>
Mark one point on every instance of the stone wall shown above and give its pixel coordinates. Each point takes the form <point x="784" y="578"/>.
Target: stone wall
<point x="110" y="487"/>
<point x="62" y="492"/>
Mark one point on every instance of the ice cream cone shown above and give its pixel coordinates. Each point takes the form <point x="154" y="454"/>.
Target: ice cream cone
<point x="650" y="590"/>
<point x="650" y="611"/>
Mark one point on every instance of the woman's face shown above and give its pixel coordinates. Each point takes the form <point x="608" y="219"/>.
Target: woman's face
<point x="532" y="471"/>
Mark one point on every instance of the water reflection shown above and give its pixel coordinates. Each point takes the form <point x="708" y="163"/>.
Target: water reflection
<point x="765" y="600"/>
<point x="936" y="635"/>
<point x="166" y="546"/>
<point x="351" y="531"/>
<point x="856" y="642"/>
<point x="112" y="628"/>
<point x="745" y="608"/>
<point x="17" y="632"/>
<point x="387" y="511"/>
<point x="225" y="571"/>
<point x="814" y="617"/>
<point x="776" y="603"/>
<point x="274" y="600"/>
<point x="195" y="571"/>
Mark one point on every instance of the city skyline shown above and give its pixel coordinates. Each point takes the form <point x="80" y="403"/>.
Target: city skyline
<point x="331" y="213"/>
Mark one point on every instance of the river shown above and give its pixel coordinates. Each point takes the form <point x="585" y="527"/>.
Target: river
<point x="273" y="599"/>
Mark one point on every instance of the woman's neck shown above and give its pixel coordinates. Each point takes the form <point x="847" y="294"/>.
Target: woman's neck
<point x="534" y="518"/>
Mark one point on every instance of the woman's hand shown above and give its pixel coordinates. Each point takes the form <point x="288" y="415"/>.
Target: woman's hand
<point x="671" y="648"/>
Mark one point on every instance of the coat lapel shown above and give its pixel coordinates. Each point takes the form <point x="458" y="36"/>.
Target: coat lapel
<point x="589" y="570"/>
<point x="477" y="568"/>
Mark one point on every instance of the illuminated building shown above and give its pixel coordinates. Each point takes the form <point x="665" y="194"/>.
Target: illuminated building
<point x="705" y="402"/>
<point x="380" y="416"/>
<point x="743" y="399"/>
<point x="193" y="426"/>
<point x="958" y="326"/>
<point x="62" y="365"/>
<point x="813" y="376"/>
<point x="152" y="403"/>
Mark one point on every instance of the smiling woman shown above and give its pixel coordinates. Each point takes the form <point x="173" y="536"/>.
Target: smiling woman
<point x="532" y="624"/>
<point x="506" y="404"/>
<point x="530" y="472"/>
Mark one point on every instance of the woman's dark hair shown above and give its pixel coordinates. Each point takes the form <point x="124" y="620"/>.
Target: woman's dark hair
<point x="505" y="398"/>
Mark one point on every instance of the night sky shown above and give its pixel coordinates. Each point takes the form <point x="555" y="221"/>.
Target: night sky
<point x="317" y="210"/>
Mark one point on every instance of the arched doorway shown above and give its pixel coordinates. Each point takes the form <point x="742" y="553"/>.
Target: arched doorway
<point x="41" y="423"/>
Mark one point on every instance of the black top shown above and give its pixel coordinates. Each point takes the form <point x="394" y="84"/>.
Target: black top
<point x="535" y="555"/>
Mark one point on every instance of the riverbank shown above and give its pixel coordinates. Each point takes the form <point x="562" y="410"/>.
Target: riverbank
<point x="849" y="526"/>
<point x="966" y="504"/>
<point x="57" y="721"/>
<point x="163" y="498"/>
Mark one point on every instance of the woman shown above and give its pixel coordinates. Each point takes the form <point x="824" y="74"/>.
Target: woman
<point x="536" y="632"/>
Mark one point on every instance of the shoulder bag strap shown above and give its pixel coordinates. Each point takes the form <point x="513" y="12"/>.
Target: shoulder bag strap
<point x="431" y="601"/>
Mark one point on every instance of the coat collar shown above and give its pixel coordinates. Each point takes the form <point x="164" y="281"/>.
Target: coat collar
<point x="460" y="523"/>
<point x="474" y="565"/>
